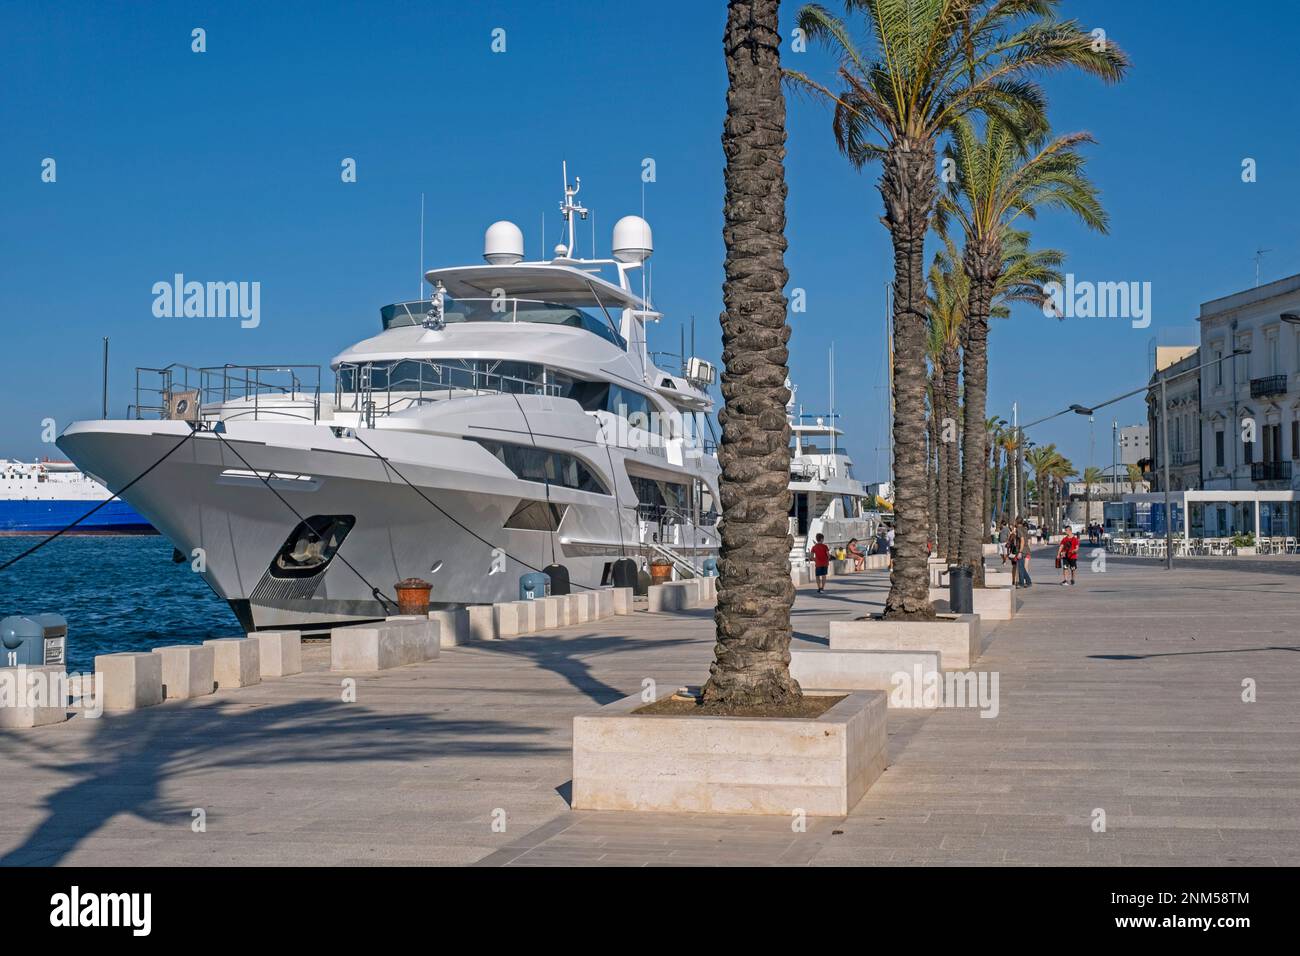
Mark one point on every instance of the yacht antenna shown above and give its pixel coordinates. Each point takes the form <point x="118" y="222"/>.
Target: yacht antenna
<point x="419" y="292"/>
<point x="569" y="207"/>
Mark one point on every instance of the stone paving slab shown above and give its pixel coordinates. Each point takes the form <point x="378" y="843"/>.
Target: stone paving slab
<point x="1122" y="694"/>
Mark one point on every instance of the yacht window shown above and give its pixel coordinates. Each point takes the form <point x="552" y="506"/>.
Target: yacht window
<point x="626" y="402"/>
<point x="536" y="516"/>
<point x="658" y="499"/>
<point x="545" y="466"/>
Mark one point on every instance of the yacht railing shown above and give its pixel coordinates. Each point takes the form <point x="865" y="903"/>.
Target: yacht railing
<point x="183" y="392"/>
<point x="420" y="381"/>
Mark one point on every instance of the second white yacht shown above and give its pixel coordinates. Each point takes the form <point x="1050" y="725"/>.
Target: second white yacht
<point x="511" y="422"/>
<point x="826" y="498"/>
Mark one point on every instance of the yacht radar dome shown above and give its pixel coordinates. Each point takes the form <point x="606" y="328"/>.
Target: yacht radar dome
<point x="632" y="240"/>
<point x="503" y="243"/>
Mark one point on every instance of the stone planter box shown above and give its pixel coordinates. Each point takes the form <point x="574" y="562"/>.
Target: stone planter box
<point x="877" y="562"/>
<point x="992" y="579"/>
<point x="662" y="763"/>
<point x="1248" y="550"/>
<point x="992" y="604"/>
<point x="956" y="637"/>
<point x="832" y="669"/>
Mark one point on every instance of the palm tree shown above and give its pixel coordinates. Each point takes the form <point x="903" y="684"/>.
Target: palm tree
<point x="935" y="61"/>
<point x="1038" y="460"/>
<point x="946" y="302"/>
<point x="1059" y="471"/>
<point x="992" y="509"/>
<point x="1134" y="476"/>
<point x="1091" y="476"/>
<point x="752" y="654"/>
<point x="1000" y="177"/>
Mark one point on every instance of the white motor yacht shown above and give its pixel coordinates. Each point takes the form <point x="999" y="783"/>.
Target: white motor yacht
<point x="511" y="422"/>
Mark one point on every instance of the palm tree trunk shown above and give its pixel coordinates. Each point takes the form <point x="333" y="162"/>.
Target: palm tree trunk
<point x="952" y="456"/>
<point x="944" y="504"/>
<point x="983" y="272"/>
<point x="752" y="654"/>
<point x="997" y="486"/>
<point x="907" y="186"/>
<point x="935" y="488"/>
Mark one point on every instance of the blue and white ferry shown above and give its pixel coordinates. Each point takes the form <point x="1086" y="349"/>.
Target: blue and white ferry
<point x="43" y="496"/>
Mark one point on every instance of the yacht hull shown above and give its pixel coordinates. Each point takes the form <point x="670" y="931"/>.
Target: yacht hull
<point x="208" y="497"/>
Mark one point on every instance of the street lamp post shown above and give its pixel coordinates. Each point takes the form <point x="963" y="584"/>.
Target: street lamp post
<point x="1164" y="425"/>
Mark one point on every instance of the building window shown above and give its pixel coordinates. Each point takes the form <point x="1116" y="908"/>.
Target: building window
<point x="1248" y="453"/>
<point x="1295" y="440"/>
<point x="1218" y="367"/>
<point x="1218" y="448"/>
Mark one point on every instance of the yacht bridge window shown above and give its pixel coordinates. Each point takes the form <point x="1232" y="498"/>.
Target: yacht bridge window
<point x="501" y="309"/>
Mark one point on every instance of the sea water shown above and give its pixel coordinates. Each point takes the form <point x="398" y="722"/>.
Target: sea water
<point x="118" y="592"/>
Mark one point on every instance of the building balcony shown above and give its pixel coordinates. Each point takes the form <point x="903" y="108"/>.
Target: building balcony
<point x="1268" y="385"/>
<point x="1270" y="471"/>
<point x="1180" y="458"/>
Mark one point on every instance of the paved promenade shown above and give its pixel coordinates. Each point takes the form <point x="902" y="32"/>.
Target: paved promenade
<point x="1123" y="694"/>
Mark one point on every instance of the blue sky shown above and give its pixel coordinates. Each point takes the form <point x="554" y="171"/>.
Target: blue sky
<point x="225" y="165"/>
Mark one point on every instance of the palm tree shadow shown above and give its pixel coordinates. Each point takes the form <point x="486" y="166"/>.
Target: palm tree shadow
<point x="133" y="756"/>
<point x="1233" y="650"/>
<point x="567" y="657"/>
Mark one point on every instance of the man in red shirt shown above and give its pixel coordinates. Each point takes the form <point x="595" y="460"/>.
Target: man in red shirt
<point x="1067" y="554"/>
<point x="821" y="556"/>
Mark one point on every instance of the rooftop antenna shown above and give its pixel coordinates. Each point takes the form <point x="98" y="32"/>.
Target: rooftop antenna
<point x="1259" y="255"/>
<point x="568" y="208"/>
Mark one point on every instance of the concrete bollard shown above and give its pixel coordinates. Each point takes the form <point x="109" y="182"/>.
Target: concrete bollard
<point x="581" y="607"/>
<point x="128" y="681"/>
<point x="33" y="695"/>
<point x="453" y="626"/>
<point x="187" y="671"/>
<point x="666" y="597"/>
<point x="623" y="600"/>
<point x="548" y="612"/>
<point x="604" y="603"/>
<point x="511" y="619"/>
<point x="377" y="647"/>
<point x="528" y="616"/>
<point x="280" y="652"/>
<point x="235" y="662"/>
<point x="482" y="622"/>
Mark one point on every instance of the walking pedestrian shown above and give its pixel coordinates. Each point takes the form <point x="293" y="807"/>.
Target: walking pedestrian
<point x="1025" y="549"/>
<point x="821" y="556"/>
<point x="1067" y="558"/>
<point x="889" y="546"/>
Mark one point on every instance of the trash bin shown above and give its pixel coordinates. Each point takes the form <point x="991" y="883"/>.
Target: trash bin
<point x="961" y="600"/>
<point x="33" y="640"/>
<point x="534" y="585"/>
